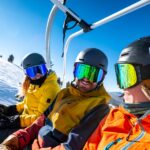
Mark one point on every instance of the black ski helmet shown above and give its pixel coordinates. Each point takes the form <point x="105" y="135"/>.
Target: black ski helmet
<point x="94" y="57"/>
<point x="137" y="52"/>
<point x="32" y="59"/>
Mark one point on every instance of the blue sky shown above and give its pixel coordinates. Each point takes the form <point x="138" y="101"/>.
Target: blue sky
<point x="23" y="25"/>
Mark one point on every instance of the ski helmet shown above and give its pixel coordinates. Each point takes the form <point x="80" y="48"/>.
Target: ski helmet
<point x="32" y="59"/>
<point x="137" y="57"/>
<point x="93" y="57"/>
<point x="137" y="52"/>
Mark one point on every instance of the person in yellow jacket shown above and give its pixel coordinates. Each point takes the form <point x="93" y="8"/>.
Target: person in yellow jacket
<point x="128" y="127"/>
<point x="85" y="99"/>
<point x="40" y="87"/>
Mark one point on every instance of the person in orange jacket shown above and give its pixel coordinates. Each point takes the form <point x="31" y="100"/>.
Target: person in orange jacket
<point x="84" y="100"/>
<point x="128" y="127"/>
<point x="39" y="89"/>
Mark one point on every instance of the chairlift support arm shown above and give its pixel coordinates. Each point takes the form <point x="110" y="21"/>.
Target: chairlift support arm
<point x="59" y="5"/>
<point x="83" y="24"/>
<point x="112" y="17"/>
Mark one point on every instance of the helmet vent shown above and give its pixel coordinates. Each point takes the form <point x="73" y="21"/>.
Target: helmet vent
<point x="101" y="65"/>
<point x="81" y="59"/>
<point x="28" y="65"/>
<point x="124" y="54"/>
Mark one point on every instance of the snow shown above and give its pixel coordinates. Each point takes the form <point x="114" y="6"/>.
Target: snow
<point x="11" y="76"/>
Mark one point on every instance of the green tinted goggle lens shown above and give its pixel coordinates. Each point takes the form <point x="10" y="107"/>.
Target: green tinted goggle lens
<point x="126" y="75"/>
<point x="92" y="73"/>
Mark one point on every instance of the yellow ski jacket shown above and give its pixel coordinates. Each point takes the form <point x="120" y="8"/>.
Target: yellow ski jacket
<point x="37" y="100"/>
<point x="72" y="105"/>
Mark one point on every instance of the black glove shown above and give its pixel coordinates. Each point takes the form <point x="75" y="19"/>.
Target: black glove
<point x="8" y="110"/>
<point x="3" y="109"/>
<point x="9" y="121"/>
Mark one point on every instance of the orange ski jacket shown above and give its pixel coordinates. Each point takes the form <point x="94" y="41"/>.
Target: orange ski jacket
<point x="121" y="130"/>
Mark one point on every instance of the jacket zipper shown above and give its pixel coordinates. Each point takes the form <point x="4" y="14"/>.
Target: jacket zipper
<point x="109" y="145"/>
<point x="134" y="141"/>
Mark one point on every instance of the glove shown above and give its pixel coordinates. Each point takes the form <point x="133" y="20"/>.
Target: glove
<point x="12" y="110"/>
<point x="25" y="136"/>
<point x="4" y="147"/>
<point x="10" y="143"/>
<point x="35" y="146"/>
<point x="3" y="109"/>
<point x="8" y="110"/>
<point x="9" y="121"/>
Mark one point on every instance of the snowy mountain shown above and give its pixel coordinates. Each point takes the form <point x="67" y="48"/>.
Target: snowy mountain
<point x="11" y="77"/>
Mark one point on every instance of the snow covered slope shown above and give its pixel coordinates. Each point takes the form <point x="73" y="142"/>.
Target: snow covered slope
<point x="10" y="78"/>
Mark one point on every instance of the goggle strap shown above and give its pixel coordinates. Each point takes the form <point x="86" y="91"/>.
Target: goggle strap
<point x="145" y="71"/>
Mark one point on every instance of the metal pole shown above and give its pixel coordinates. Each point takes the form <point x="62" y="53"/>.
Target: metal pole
<point x="48" y="35"/>
<point x="114" y="16"/>
<point x="120" y="13"/>
<point x="65" y="9"/>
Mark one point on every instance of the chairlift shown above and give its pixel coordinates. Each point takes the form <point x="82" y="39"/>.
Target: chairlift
<point x="85" y="27"/>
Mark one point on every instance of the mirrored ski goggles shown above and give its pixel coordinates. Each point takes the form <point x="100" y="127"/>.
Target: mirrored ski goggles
<point x="32" y="71"/>
<point x="127" y="75"/>
<point x="91" y="73"/>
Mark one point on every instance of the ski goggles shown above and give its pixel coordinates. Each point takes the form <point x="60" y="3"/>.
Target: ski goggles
<point x="32" y="71"/>
<point x="91" y="73"/>
<point x="127" y="75"/>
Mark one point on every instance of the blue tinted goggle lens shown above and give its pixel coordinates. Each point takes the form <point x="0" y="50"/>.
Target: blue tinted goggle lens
<point x="92" y="73"/>
<point x="32" y="71"/>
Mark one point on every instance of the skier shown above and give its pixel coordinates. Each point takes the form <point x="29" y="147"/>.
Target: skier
<point x="128" y="127"/>
<point x="39" y="87"/>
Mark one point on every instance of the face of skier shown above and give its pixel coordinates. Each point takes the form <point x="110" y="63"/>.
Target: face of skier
<point x="84" y="85"/>
<point x="134" y="95"/>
